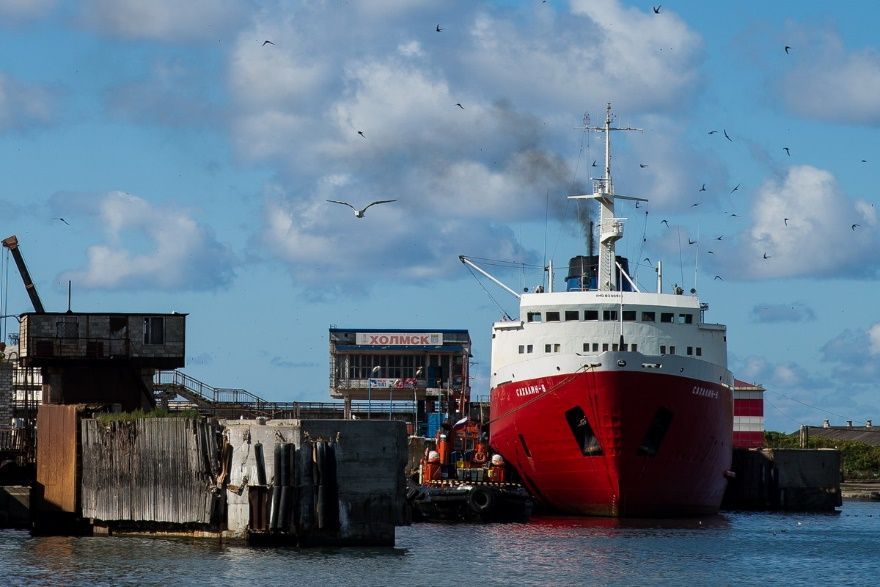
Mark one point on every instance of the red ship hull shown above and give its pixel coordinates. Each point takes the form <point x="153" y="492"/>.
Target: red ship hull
<point x="664" y="442"/>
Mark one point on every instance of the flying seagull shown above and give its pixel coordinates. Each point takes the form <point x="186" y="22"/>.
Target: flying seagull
<point x="785" y="220"/>
<point x="594" y="162"/>
<point x="727" y="136"/>
<point x="459" y="105"/>
<point x="360" y="213"/>
<point x="666" y="222"/>
<point x="695" y="205"/>
<point x="692" y="242"/>
<point x="360" y="132"/>
<point x="736" y="188"/>
<point x="718" y="238"/>
<point x="647" y="260"/>
<point x="267" y="43"/>
<point x="719" y="277"/>
<point x="712" y="132"/>
<point x="787" y="49"/>
<point x="766" y="256"/>
<point x="68" y="223"/>
<point x="657" y="9"/>
<point x="855" y="226"/>
<point x="643" y="165"/>
<point x="703" y="189"/>
<point x="787" y="152"/>
<point x="438" y="29"/>
<point x="711" y="252"/>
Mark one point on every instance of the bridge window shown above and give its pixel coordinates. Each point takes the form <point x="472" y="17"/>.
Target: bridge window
<point x="604" y="346"/>
<point x="572" y="315"/>
<point x="685" y="318"/>
<point x="634" y="347"/>
<point x="648" y="317"/>
<point x="699" y="351"/>
<point x="667" y="317"/>
<point x="595" y="347"/>
<point x="533" y="317"/>
<point x="672" y="350"/>
<point x="67" y="328"/>
<point x="546" y="348"/>
<point x="154" y="330"/>
<point x="552" y="316"/>
<point x="522" y="349"/>
<point x="690" y="350"/>
<point x="528" y="348"/>
<point x="629" y="315"/>
<point x="609" y="315"/>
<point x="591" y="315"/>
<point x="662" y="349"/>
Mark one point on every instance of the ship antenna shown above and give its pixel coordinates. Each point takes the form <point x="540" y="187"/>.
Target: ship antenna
<point x="610" y="228"/>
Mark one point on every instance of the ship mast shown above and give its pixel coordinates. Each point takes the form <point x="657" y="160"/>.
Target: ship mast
<point x="610" y="228"/>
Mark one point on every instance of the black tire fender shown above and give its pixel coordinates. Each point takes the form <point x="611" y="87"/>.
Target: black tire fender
<point x="481" y="500"/>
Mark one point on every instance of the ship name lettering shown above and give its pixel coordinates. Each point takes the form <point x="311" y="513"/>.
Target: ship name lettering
<point x="705" y="392"/>
<point x="411" y="339"/>
<point x="530" y="390"/>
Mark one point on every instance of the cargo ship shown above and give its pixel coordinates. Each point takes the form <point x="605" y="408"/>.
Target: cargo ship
<point x="608" y="400"/>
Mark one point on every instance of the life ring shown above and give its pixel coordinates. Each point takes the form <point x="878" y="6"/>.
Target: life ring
<point x="480" y="500"/>
<point x="479" y="458"/>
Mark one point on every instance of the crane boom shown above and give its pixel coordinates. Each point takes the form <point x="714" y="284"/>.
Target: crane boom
<point x="11" y="243"/>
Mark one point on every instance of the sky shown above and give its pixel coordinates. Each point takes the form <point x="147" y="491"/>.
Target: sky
<point x="191" y="162"/>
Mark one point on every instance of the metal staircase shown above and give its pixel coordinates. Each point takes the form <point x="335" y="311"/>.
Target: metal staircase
<point x="168" y="385"/>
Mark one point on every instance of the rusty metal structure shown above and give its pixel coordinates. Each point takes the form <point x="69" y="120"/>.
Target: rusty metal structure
<point x="11" y="243"/>
<point x="160" y="470"/>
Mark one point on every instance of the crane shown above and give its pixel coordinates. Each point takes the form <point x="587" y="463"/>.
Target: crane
<point x="11" y="243"/>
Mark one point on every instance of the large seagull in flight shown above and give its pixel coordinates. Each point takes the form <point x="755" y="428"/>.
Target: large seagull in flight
<point x="360" y="213"/>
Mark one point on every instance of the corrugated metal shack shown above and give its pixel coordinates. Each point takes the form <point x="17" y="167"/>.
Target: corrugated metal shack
<point x="156" y="470"/>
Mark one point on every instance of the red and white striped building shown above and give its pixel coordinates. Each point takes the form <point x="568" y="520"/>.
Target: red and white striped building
<point x="748" y="415"/>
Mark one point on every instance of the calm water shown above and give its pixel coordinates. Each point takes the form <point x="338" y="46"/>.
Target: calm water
<point x="734" y="548"/>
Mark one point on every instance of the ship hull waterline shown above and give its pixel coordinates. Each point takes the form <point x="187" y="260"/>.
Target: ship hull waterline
<point x="678" y="468"/>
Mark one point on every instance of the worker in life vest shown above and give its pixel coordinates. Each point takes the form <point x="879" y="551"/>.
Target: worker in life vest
<point x="496" y="470"/>
<point x="431" y="467"/>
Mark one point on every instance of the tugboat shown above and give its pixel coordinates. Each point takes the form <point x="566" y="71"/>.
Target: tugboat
<point x="608" y="400"/>
<point x="460" y="482"/>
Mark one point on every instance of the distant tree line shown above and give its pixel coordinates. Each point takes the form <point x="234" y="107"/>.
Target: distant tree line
<point x="860" y="461"/>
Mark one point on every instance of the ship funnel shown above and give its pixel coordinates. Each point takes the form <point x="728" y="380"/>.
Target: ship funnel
<point x="826" y="424"/>
<point x="868" y="424"/>
<point x="849" y="423"/>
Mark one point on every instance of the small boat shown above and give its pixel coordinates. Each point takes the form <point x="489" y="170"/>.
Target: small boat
<point x="460" y="481"/>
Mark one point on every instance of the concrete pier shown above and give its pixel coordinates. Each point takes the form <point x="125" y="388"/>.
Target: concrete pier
<point x="785" y="480"/>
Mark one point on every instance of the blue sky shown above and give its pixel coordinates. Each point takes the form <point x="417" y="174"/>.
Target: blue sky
<point x="193" y="163"/>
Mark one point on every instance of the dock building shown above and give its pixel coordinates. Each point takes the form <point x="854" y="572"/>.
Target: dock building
<point x="426" y="369"/>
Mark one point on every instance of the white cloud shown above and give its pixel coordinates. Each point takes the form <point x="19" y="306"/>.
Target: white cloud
<point x="151" y="247"/>
<point x="827" y="82"/>
<point x="299" y="105"/>
<point x="816" y="240"/>
<point x="874" y="338"/>
<point x="164" y="20"/>
<point x="23" y="104"/>
<point x="25" y="9"/>
<point x="634" y="58"/>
